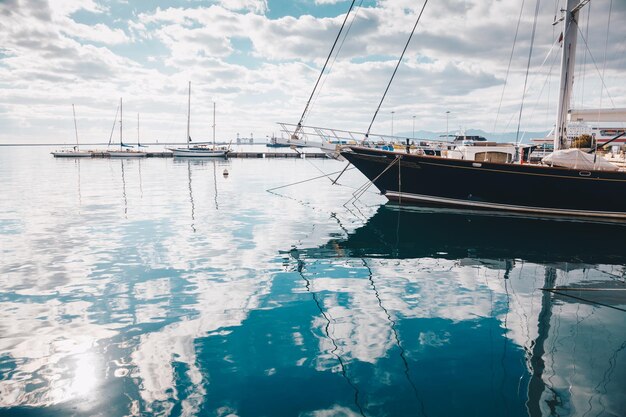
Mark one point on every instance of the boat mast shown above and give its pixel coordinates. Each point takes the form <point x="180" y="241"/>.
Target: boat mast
<point x="213" y="125"/>
<point x="138" y="145"/>
<point x="121" y="143"/>
<point x="75" y="128"/>
<point x="188" y="114"/>
<point x="568" y="58"/>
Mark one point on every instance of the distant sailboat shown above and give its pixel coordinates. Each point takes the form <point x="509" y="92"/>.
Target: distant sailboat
<point x="200" y="150"/>
<point x="125" y="151"/>
<point x="139" y="145"/>
<point x="75" y="152"/>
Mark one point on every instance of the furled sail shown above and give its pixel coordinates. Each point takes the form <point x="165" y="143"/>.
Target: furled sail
<point x="577" y="159"/>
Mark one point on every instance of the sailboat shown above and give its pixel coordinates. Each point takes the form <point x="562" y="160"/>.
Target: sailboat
<point x="125" y="150"/>
<point x="75" y="152"/>
<point x="584" y="186"/>
<point x="199" y="150"/>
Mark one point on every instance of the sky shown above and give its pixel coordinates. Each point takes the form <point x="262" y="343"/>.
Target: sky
<point x="258" y="61"/>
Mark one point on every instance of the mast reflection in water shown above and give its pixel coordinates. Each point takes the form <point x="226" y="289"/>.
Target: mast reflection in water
<point x="463" y="307"/>
<point x="138" y="295"/>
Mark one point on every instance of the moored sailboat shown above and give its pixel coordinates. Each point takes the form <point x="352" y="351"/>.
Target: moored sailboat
<point x="481" y="183"/>
<point x="199" y="150"/>
<point x="125" y="151"/>
<point x="75" y="151"/>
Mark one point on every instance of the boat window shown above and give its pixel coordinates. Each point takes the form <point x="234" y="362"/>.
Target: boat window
<point x="499" y="157"/>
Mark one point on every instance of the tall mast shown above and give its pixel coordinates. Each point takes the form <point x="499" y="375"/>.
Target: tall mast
<point x="568" y="58"/>
<point x="138" y="130"/>
<point x="75" y="128"/>
<point x="213" y="125"/>
<point x="121" y="124"/>
<point x="188" y="113"/>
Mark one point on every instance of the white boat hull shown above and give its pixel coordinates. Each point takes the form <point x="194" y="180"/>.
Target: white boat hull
<point x="71" y="154"/>
<point x="199" y="153"/>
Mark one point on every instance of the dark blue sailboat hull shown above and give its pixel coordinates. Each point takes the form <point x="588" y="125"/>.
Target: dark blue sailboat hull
<point x="421" y="179"/>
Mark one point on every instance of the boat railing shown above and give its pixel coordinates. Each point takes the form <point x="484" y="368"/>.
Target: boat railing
<point x="314" y="135"/>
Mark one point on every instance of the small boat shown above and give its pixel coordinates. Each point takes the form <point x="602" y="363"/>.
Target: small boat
<point x="74" y="151"/>
<point x="274" y="143"/>
<point x="125" y="151"/>
<point x="199" y="150"/>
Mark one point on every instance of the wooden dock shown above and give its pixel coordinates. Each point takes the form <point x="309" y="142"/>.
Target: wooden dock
<point x="166" y="154"/>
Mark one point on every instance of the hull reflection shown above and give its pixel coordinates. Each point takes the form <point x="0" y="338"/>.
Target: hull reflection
<point x="447" y="270"/>
<point x="395" y="232"/>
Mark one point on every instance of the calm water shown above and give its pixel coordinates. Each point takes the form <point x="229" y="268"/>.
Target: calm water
<point x="161" y="287"/>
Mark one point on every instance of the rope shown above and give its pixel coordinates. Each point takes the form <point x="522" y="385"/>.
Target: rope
<point x="556" y="291"/>
<point x="396" y="69"/>
<point x="547" y="81"/>
<point x="362" y="189"/>
<point x="342" y="171"/>
<point x="595" y="64"/>
<point x="530" y="53"/>
<point x="323" y="68"/>
<point x="584" y="66"/>
<point x="303" y="181"/>
<point x="606" y="47"/>
<point x="508" y="68"/>
<point x="399" y="183"/>
<point x="334" y="59"/>
<point x="113" y="128"/>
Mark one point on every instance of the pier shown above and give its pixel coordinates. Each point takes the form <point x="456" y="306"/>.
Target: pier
<point x="166" y="154"/>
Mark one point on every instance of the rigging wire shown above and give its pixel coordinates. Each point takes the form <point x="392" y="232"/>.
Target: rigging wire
<point x="584" y="66"/>
<point x="530" y="53"/>
<point x="114" y="123"/>
<point x="547" y="81"/>
<point x="508" y="69"/>
<point x="333" y="61"/>
<point x="606" y="47"/>
<point x="396" y="69"/>
<point x="595" y="64"/>
<point x="323" y="68"/>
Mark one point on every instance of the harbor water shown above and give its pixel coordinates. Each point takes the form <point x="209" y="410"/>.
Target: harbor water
<point x="164" y="287"/>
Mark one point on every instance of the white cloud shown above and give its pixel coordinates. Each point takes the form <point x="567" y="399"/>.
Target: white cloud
<point x="262" y="70"/>
<point x="255" y="6"/>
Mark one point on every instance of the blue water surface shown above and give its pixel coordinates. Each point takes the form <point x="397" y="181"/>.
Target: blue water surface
<point x="164" y="287"/>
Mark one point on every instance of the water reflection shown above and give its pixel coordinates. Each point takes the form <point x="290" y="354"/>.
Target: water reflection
<point x="290" y="306"/>
<point x="408" y="251"/>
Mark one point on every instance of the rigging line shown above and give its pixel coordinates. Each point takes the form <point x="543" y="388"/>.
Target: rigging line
<point x="530" y="53"/>
<point x="396" y="69"/>
<point x="342" y="365"/>
<point x="555" y="291"/>
<point x="508" y="69"/>
<point x="584" y="66"/>
<point x="368" y="184"/>
<point x="541" y="93"/>
<point x="307" y="180"/>
<point x="114" y="123"/>
<point x="596" y="67"/>
<point x="193" y="206"/>
<point x="342" y="171"/>
<point x="392" y="324"/>
<point x="345" y="36"/>
<point x="215" y="183"/>
<point x="606" y="47"/>
<point x="318" y="168"/>
<point x="323" y="68"/>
